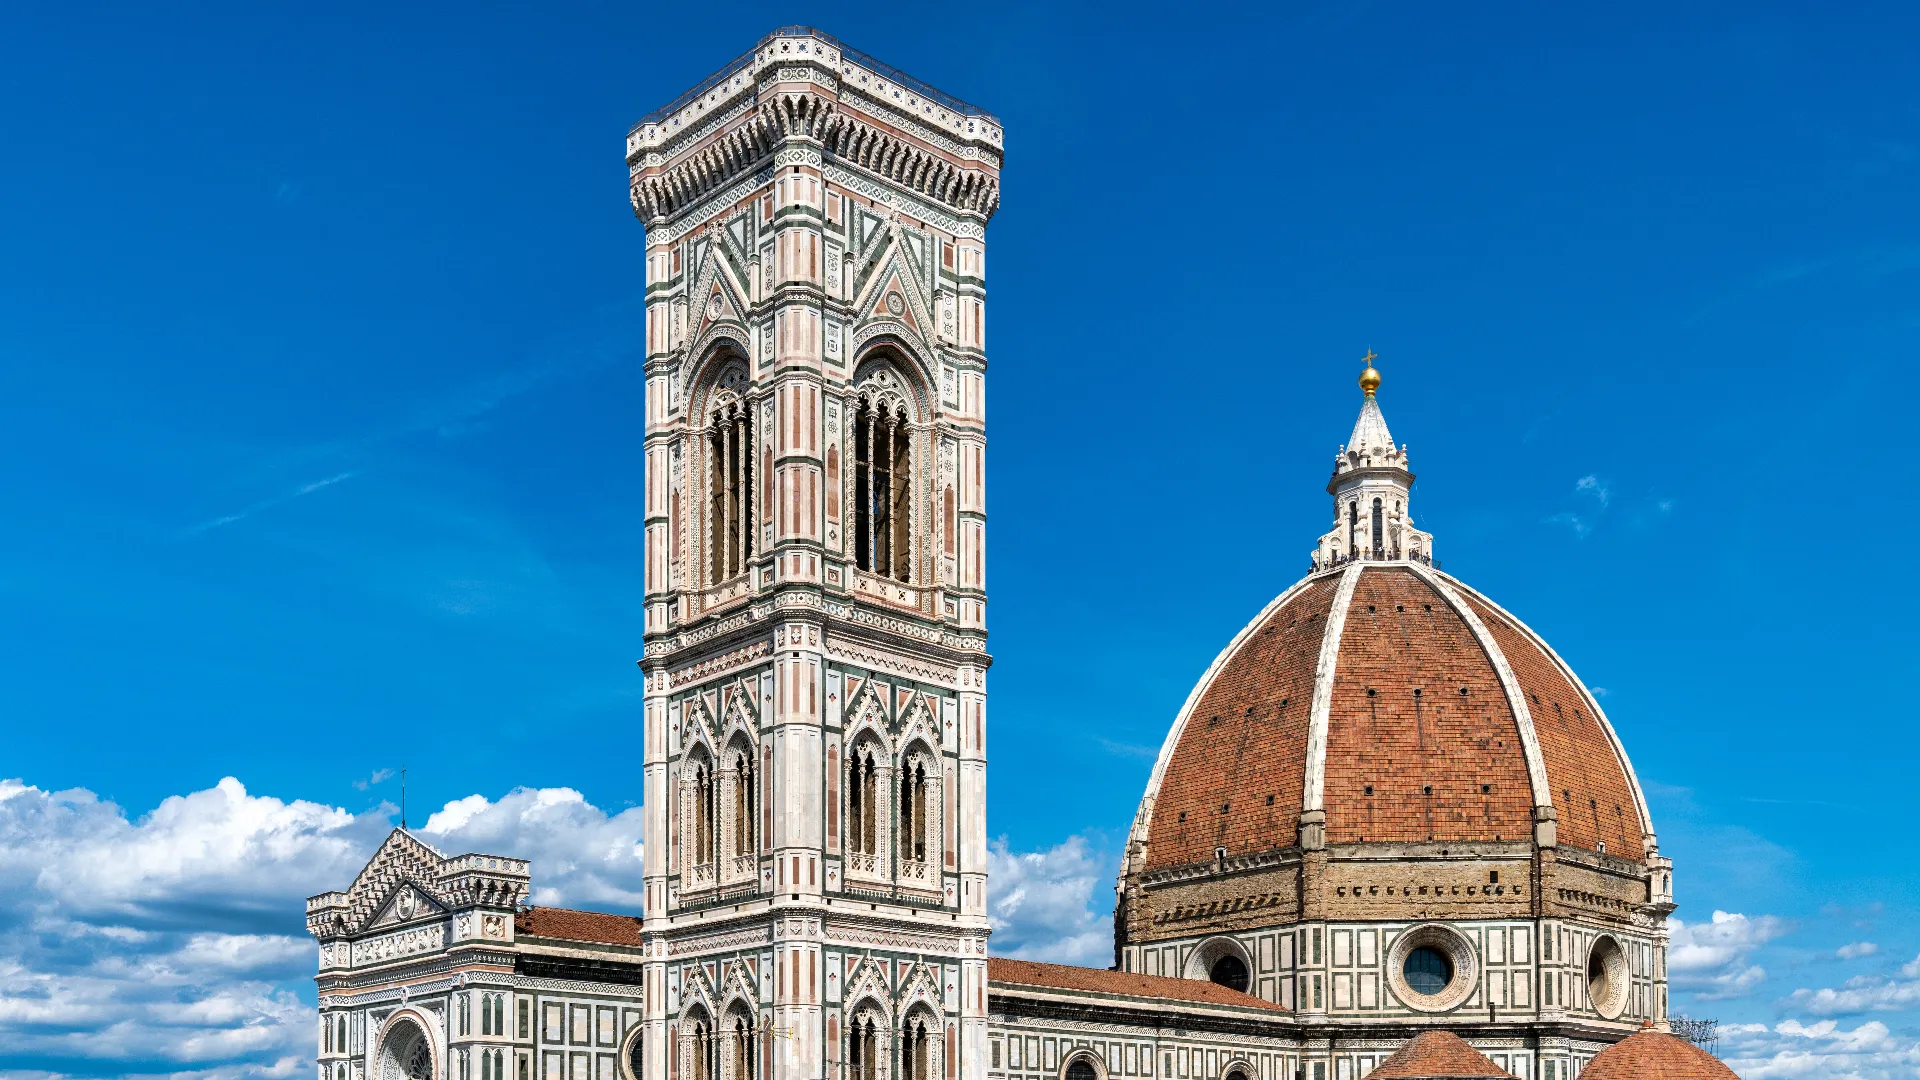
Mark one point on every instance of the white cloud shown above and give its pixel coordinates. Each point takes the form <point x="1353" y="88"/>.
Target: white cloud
<point x="174" y="944"/>
<point x="1793" y="1049"/>
<point x="1712" y="959"/>
<point x="1860" y="994"/>
<point x="581" y="855"/>
<point x="1856" y="950"/>
<point x="1041" y="904"/>
<point x="1596" y="487"/>
<point x="171" y="943"/>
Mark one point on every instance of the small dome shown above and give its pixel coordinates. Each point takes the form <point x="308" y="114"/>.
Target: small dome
<point x="1438" y="1055"/>
<point x="1655" y="1055"/>
<point x="1406" y="707"/>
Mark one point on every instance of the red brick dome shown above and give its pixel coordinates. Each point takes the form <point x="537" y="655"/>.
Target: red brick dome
<point x="1402" y="705"/>
<point x="1438" y="1055"/>
<point x="1654" y="1055"/>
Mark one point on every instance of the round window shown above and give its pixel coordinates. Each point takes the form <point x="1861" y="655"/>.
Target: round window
<point x="1231" y="972"/>
<point x="1428" y="971"/>
<point x="1607" y="977"/>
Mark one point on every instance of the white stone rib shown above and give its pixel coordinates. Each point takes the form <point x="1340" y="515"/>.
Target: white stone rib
<point x="1143" y="817"/>
<point x="1516" y="697"/>
<point x="1613" y="738"/>
<point x="1312" y="797"/>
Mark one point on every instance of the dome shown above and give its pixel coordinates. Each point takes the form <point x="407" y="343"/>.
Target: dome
<point x="1655" y="1055"/>
<point x="1438" y="1055"/>
<point x="1403" y="706"/>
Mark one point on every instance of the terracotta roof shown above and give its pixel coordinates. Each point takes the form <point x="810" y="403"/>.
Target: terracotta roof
<point x="1422" y="741"/>
<point x="1247" y="733"/>
<point x="1009" y="972"/>
<point x="1438" y="1055"/>
<point x="1654" y="1055"/>
<point x="570" y="925"/>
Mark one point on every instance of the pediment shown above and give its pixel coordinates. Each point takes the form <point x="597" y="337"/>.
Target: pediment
<point x="407" y="903"/>
<point x="720" y="291"/>
<point x="400" y="859"/>
<point x="893" y="296"/>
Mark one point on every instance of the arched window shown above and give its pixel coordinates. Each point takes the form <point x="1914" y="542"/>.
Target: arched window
<point x="406" y="1053"/>
<point x="913" y="812"/>
<point x="863" y="806"/>
<point x="1229" y="971"/>
<point x="863" y="1048"/>
<point x="743" y="803"/>
<point x="916" y="1055"/>
<point x="882" y="486"/>
<point x="739" y="1057"/>
<point x="1379" y="531"/>
<point x="700" y="1047"/>
<point x="1081" y="1069"/>
<point x="730" y="521"/>
<point x="1353" y="529"/>
<point x="697" y="843"/>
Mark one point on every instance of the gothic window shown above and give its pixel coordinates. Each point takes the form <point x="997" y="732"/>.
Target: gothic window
<point x="406" y="1053"/>
<point x="1379" y="531"/>
<point x="700" y="1047"/>
<point x="466" y="1014"/>
<point x="730" y="473"/>
<point x="863" y="807"/>
<point x="916" y="1051"/>
<point x="917" y="813"/>
<point x="737" y="828"/>
<point x="863" y="1049"/>
<point x="326" y="1035"/>
<point x="883" y="475"/>
<point x="697" y="837"/>
<point x="738" y="1057"/>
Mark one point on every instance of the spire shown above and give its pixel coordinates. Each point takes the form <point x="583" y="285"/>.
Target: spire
<point x="1371" y="489"/>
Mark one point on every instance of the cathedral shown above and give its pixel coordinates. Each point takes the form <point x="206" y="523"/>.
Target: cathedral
<point x="1390" y="833"/>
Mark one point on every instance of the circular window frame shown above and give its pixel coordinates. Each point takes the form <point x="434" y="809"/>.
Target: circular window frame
<point x="1613" y="958"/>
<point x="1458" y="951"/>
<point x="1209" y="952"/>
<point x="628" y="1045"/>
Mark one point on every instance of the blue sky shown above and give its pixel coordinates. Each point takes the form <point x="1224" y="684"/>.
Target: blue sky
<point x="320" y="428"/>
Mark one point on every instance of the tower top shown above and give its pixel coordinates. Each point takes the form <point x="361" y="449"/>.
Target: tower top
<point x="1369" y="379"/>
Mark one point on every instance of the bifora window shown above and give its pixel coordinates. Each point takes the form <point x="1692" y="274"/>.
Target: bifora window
<point x="730" y="489"/>
<point x="863" y="798"/>
<point x="1231" y="972"/>
<point x="882" y="475"/>
<point x="1428" y="971"/>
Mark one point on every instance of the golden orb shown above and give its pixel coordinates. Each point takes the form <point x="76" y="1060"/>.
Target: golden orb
<point x="1369" y="379"/>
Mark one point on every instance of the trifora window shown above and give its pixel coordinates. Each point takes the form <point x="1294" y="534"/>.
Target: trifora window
<point x="883" y="477"/>
<point x="730" y="525"/>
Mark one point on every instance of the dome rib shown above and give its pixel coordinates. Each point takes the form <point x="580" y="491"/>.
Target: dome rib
<point x="1516" y="697"/>
<point x="1313" y="798"/>
<point x="1139" y="838"/>
<point x="1647" y="843"/>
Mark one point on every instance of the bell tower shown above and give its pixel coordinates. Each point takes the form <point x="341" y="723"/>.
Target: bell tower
<point x="815" y="664"/>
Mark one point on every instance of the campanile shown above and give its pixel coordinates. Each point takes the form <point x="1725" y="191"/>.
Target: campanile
<point x="815" y="664"/>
